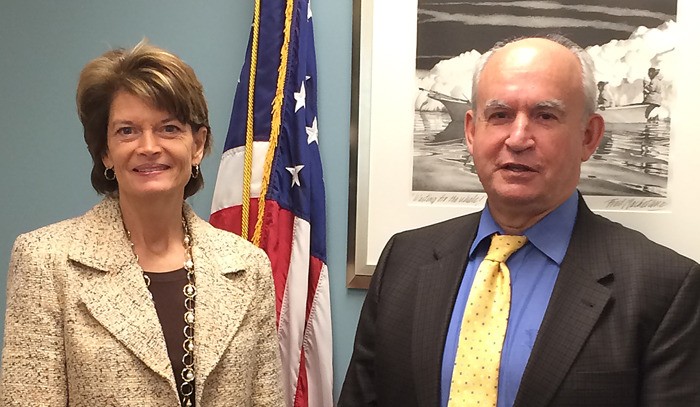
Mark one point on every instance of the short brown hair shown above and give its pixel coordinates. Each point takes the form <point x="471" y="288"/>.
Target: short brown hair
<point x="150" y="73"/>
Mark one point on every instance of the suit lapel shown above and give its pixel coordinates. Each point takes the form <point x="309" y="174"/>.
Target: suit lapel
<point x="222" y="301"/>
<point x="437" y="286"/>
<point x="576" y="304"/>
<point x="116" y="294"/>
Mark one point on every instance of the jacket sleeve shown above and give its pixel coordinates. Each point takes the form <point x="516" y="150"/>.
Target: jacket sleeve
<point x="268" y="391"/>
<point x="359" y="386"/>
<point x="33" y="357"/>
<point x="672" y="361"/>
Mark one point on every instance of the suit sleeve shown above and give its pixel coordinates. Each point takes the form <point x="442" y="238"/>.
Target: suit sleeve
<point x="268" y="390"/>
<point x="33" y="357"/>
<point x="359" y="386"/>
<point x="672" y="362"/>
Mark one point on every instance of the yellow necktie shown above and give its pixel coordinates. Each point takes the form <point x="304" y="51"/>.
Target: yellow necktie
<point x="475" y="373"/>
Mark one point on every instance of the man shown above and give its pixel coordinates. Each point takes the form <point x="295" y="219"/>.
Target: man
<point x="651" y="90"/>
<point x="599" y="315"/>
<point x="605" y="97"/>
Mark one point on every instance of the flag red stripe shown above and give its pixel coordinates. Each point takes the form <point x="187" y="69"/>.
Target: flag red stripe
<point x="276" y="239"/>
<point x="315" y="266"/>
<point x="230" y="218"/>
<point x="301" y="397"/>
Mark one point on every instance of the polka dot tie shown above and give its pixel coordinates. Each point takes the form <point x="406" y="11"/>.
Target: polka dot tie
<point x="475" y="373"/>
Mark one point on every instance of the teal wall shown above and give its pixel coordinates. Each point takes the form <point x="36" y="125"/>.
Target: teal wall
<point x="44" y="166"/>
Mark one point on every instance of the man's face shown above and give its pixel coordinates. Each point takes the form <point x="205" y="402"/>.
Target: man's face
<point x="529" y="133"/>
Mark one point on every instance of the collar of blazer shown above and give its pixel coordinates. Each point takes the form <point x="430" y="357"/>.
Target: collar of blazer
<point x="101" y="243"/>
<point x="113" y="290"/>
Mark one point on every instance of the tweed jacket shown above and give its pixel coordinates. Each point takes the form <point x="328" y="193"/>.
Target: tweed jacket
<point x="81" y="329"/>
<point x="622" y="327"/>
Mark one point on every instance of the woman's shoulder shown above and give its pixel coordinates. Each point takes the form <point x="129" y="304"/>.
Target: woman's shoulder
<point x="59" y="236"/>
<point x="47" y="239"/>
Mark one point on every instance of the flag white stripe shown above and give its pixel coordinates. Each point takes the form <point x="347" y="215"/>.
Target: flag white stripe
<point x="318" y="346"/>
<point x="228" y="190"/>
<point x="293" y="318"/>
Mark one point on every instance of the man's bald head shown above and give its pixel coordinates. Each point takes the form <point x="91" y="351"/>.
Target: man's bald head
<point x="552" y="43"/>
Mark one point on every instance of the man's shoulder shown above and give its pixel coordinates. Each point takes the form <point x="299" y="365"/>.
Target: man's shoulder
<point x="629" y="244"/>
<point x="442" y="237"/>
<point x="444" y="228"/>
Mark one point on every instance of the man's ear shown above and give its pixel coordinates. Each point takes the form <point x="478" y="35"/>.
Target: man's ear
<point x="469" y="126"/>
<point x="593" y="133"/>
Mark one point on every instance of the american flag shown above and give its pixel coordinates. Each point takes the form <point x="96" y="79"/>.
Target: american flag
<point x="270" y="189"/>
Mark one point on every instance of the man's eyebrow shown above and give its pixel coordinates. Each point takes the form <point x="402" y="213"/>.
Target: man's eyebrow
<point x="551" y="104"/>
<point x="496" y="103"/>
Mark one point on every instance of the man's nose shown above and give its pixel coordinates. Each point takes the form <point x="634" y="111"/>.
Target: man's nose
<point x="520" y="137"/>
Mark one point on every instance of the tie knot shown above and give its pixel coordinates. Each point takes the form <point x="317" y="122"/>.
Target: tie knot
<point x="502" y="246"/>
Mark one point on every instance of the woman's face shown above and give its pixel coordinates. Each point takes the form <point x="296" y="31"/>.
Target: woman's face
<point x="151" y="151"/>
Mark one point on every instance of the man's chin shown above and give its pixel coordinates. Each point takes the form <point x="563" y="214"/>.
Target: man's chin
<point x="515" y="194"/>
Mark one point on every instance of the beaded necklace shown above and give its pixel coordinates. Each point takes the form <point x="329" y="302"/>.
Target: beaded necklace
<point x="190" y="291"/>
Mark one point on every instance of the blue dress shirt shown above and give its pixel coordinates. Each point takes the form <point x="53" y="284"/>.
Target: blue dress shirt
<point x="534" y="270"/>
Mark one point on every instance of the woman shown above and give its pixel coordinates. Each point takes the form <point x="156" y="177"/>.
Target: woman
<point x="140" y="302"/>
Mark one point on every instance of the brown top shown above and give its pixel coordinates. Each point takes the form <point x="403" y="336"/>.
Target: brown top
<point x="169" y="300"/>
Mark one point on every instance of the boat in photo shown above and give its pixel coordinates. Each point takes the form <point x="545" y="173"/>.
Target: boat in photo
<point x="456" y="107"/>
<point x="635" y="113"/>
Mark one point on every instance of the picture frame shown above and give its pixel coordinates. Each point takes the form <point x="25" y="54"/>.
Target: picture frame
<point x="381" y="202"/>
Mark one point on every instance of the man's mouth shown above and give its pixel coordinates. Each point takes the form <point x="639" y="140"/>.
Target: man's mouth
<point x="517" y="167"/>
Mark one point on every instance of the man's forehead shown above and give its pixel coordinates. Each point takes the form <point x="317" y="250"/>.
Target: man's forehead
<point x="534" y="69"/>
<point x="529" y="53"/>
<point x="518" y="56"/>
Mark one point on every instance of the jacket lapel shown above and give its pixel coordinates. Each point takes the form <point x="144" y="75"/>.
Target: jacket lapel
<point x="115" y="294"/>
<point x="117" y="297"/>
<point x="438" y="283"/>
<point x="576" y="304"/>
<point x="222" y="301"/>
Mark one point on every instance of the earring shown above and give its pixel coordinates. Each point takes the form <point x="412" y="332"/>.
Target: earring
<point x="109" y="174"/>
<point x="195" y="171"/>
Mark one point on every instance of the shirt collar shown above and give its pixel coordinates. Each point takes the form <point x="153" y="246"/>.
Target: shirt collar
<point x="550" y="235"/>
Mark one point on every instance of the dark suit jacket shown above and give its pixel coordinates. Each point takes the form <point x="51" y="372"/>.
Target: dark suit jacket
<point x="622" y="327"/>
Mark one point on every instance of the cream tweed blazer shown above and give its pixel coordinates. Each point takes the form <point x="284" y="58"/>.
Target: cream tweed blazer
<point x="81" y="330"/>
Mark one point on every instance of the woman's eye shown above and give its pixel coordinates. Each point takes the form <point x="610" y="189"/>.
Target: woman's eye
<point x="125" y="131"/>
<point x="171" y="128"/>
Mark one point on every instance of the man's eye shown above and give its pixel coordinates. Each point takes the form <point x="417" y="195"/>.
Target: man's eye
<point x="498" y="116"/>
<point x="547" y="116"/>
<point x="125" y="131"/>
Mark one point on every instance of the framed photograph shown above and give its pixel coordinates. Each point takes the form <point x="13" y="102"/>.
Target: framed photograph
<point x="412" y="67"/>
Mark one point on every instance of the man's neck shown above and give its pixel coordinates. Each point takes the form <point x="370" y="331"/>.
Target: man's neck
<point x="516" y="219"/>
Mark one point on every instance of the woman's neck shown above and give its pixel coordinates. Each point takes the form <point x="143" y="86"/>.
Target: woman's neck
<point x="156" y="232"/>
